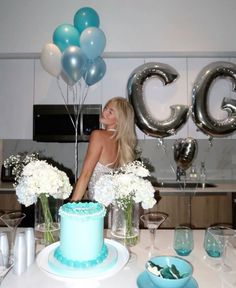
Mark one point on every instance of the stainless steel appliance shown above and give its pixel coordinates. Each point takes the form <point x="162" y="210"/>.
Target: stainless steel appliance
<point x="51" y="123"/>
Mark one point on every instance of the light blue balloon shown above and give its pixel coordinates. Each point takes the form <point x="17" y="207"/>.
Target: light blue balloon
<point x="73" y="63"/>
<point x="95" y="70"/>
<point x="86" y="17"/>
<point x="66" y="35"/>
<point x="92" y="42"/>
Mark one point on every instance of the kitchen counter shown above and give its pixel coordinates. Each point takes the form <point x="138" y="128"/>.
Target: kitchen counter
<point x="7" y="187"/>
<point x="225" y="186"/>
<point x="222" y="186"/>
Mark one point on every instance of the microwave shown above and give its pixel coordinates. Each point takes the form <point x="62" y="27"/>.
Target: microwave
<point x="52" y="123"/>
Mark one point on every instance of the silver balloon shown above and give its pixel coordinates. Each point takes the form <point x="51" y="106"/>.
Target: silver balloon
<point x="200" y="114"/>
<point x="66" y="79"/>
<point x="185" y="151"/>
<point x="73" y="63"/>
<point x="145" y="121"/>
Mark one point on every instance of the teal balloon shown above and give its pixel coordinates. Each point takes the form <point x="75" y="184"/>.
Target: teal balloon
<point x="92" y="42"/>
<point x="66" y="35"/>
<point x="73" y="64"/>
<point x="86" y="17"/>
<point x="95" y="70"/>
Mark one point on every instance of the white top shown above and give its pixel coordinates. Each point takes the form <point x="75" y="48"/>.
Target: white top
<point x="98" y="171"/>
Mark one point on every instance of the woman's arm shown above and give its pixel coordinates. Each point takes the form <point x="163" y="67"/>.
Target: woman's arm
<point x="92" y="157"/>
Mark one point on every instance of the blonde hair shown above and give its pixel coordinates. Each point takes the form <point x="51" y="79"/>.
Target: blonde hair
<point x="125" y="130"/>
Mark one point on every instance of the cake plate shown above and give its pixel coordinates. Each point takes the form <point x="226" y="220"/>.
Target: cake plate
<point x="118" y="256"/>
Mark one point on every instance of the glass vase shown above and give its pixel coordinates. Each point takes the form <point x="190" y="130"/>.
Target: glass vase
<point x="47" y="225"/>
<point x="125" y="223"/>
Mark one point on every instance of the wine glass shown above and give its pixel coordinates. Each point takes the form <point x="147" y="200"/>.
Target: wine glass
<point x="223" y="236"/>
<point x="12" y="220"/>
<point x="152" y="221"/>
<point x="183" y="240"/>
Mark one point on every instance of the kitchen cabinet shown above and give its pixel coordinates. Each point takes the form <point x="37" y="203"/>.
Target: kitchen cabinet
<point x="198" y="211"/>
<point x="178" y="210"/>
<point x="8" y="202"/>
<point x="211" y="209"/>
<point x="16" y="98"/>
<point x="24" y="82"/>
<point x="116" y="78"/>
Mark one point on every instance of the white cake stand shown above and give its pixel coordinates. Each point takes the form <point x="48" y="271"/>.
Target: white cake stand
<point x="117" y="257"/>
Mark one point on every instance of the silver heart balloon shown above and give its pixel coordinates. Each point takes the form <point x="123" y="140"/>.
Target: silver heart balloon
<point x="185" y="151"/>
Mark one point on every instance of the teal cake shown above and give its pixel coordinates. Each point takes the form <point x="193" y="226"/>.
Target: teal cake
<point x="81" y="235"/>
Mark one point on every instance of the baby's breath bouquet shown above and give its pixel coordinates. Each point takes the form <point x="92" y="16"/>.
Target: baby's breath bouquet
<point x="36" y="179"/>
<point x="18" y="162"/>
<point x="124" y="187"/>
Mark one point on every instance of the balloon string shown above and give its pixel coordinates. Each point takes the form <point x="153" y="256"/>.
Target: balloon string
<point x="207" y="152"/>
<point x="79" y="98"/>
<point x="163" y="146"/>
<point x="79" y="95"/>
<point x="65" y="102"/>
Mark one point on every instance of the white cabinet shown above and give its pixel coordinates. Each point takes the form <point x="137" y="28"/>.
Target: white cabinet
<point x="16" y="98"/>
<point x="23" y="83"/>
<point x="115" y="80"/>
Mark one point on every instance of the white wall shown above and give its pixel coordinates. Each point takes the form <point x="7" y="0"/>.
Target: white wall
<point x="218" y="158"/>
<point x="130" y="25"/>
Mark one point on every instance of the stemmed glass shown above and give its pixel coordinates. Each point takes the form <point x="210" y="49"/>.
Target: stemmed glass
<point x="12" y="220"/>
<point x="223" y="236"/>
<point x="152" y="221"/>
<point x="183" y="240"/>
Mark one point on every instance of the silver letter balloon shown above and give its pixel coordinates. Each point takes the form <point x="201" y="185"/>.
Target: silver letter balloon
<point x="200" y="114"/>
<point x="145" y="121"/>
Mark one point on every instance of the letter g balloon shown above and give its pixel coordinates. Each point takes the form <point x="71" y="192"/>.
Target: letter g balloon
<point x="204" y="121"/>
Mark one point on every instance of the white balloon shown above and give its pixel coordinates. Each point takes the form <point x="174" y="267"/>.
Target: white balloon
<point x="51" y="59"/>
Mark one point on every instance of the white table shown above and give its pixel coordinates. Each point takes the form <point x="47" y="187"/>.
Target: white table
<point x="205" y="275"/>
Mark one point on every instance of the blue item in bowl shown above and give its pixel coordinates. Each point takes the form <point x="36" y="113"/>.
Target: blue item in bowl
<point x="169" y="271"/>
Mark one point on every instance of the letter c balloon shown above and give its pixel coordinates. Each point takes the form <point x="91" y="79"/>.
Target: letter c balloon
<point x="145" y="121"/>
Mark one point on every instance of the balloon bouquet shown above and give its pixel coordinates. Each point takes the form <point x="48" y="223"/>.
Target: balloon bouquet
<point x="75" y="57"/>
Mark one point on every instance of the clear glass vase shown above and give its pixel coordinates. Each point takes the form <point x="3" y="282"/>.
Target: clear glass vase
<point x="47" y="226"/>
<point x="125" y="223"/>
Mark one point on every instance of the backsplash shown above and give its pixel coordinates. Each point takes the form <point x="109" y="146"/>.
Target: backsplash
<point x="220" y="158"/>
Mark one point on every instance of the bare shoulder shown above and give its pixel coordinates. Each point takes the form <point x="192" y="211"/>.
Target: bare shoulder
<point x="98" y="135"/>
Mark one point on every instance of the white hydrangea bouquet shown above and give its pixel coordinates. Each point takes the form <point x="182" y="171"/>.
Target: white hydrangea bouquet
<point x="126" y="184"/>
<point x="36" y="179"/>
<point x="123" y="188"/>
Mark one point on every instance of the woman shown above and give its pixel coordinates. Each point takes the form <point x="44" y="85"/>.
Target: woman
<point x="109" y="148"/>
